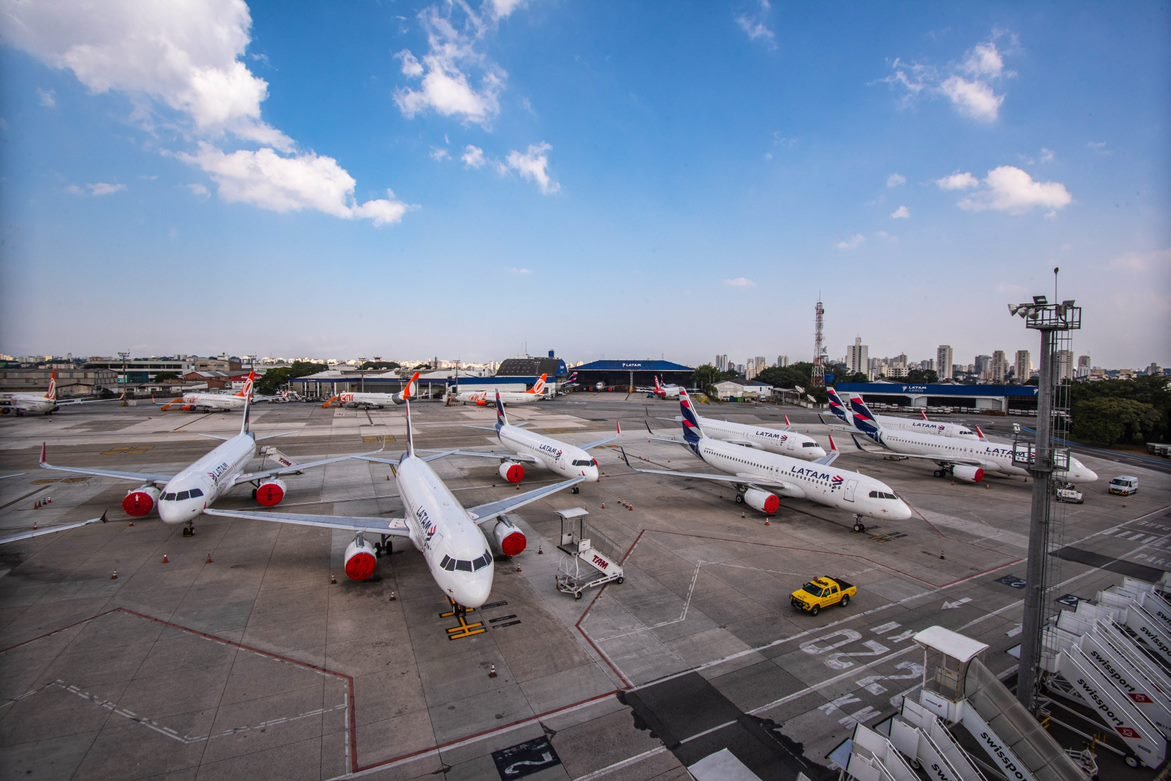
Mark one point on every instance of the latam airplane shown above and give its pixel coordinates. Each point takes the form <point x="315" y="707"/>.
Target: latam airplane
<point x="784" y="442"/>
<point x="181" y="497"/>
<point x="529" y="447"/>
<point x="759" y="476"/>
<point x="924" y="426"/>
<point x="457" y="542"/>
<point x="484" y="398"/>
<point x="963" y="459"/>
<point x="667" y="392"/>
<point x="199" y="401"/>
<point x="378" y="400"/>
<point x="39" y="404"/>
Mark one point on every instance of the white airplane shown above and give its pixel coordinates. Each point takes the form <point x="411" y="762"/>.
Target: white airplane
<point x="454" y="540"/>
<point x="759" y="476"/>
<point x="39" y="404"/>
<point x="924" y="426"/>
<point x="181" y="497"/>
<point x="667" y="392"/>
<point x="378" y="400"/>
<point x="963" y="459"/>
<point x="784" y="442"/>
<point x="570" y="382"/>
<point x="484" y="398"/>
<point x="528" y="447"/>
<point x="202" y="401"/>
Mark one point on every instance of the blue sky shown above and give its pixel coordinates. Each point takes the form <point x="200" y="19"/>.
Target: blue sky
<point x="607" y="180"/>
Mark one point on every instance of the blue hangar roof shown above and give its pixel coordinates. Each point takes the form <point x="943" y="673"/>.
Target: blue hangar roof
<point x="633" y="366"/>
<point x="878" y="388"/>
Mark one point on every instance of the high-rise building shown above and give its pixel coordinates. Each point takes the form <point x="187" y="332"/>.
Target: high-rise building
<point x="1022" y="367"/>
<point x="943" y="359"/>
<point x="1083" y="366"/>
<point x="782" y="361"/>
<point x="722" y="362"/>
<point x="858" y="357"/>
<point x="983" y="367"/>
<point x="999" y="367"/>
<point x="1064" y="368"/>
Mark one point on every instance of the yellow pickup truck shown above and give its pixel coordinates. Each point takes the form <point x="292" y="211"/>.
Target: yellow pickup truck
<point x="822" y="592"/>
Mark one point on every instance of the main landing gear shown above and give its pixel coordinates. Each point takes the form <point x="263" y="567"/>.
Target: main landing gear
<point x="859" y="527"/>
<point x="576" y="489"/>
<point x="189" y="529"/>
<point x="383" y="546"/>
<point x="942" y="471"/>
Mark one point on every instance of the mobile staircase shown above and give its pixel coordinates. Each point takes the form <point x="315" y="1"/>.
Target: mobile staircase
<point x="582" y="566"/>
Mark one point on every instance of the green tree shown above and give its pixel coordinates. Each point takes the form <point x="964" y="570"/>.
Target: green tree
<point x="922" y="376"/>
<point x="166" y="376"/>
<point x="1111" y="420"/>
<point x="706" y="376"/>
<point x="273" y="379"/>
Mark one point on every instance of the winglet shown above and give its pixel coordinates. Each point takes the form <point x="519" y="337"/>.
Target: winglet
<point x="44" y="454"/>
<point x="788" y="423"/>
<point x="409" y="391"/>
<point x="618" y="427"/>
<point x="832" y="445"/>
<point x="923" y="412"/>
<point x="980" y="434"/>
<point x="104" y="520"/>
<point x="625" y="458"/>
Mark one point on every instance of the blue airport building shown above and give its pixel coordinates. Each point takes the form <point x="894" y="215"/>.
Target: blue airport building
<point x="1005" y="399"/>
<point x="623" y="375"/>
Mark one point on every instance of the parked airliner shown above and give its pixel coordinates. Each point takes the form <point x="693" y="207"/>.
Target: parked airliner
<point x="924" y="426"/>
<point x="454" y="541"/>
<point x="667" y="392"/>
<point x="202" y="401"/>
<point x="181" y="497"/>
<point x="759" y="476"/>
<point x="37" y="403"/>
<point x="784" y="442"/>
<point x="483" y="398"/>
<point x="963" y="459"/>
<point x="378" y="400"/>
<point x="529" y="447"/>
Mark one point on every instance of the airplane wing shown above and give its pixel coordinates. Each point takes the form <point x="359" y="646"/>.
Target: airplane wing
<point x="831" y="456"/>
<point x="294" y="469"/>
<point x="142" y="477"/>
<point x="67" y="402"/>
<point x="64" y="527"/>
<point x="607" y="440"/>
<point x="486" y="512"/>
<point x="493" y="454"/>
<point x="755" y="481"/>
<point x="836" y="425"/>
<point x="939" y="459"/>
<point x="395" y="461"/>
<point x="392" y="527"/>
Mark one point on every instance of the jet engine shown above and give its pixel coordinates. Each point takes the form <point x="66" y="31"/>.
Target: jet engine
<point x="767" y="503"/>
<point x="507" y="538"/>
<point x="361" y="561"/>
<point x="512" y="472"/>
<point x="967" y="474"/>
<point x="141" y="501"/>
<point x="270" y="492"/>
<point x="481" y="402"/>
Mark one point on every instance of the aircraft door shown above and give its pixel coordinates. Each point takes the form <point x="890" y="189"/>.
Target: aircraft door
<point x="850" y="486"/>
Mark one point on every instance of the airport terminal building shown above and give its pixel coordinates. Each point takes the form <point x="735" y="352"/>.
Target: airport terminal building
<point x="624" y="375"/>
<point x="1003" y="399"/>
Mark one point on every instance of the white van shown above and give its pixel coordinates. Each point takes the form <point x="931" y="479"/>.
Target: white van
<point x="1124" y="485"/>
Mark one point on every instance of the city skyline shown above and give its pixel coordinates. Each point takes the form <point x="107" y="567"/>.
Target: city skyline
<point x="465" y="179"/>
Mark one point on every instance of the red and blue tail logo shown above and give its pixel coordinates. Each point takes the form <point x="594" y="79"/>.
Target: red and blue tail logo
<point x="863" y="418"/>
<point x="692" y="433"/>
<point x="836" y="405"/>
<point x="501" y="417"/>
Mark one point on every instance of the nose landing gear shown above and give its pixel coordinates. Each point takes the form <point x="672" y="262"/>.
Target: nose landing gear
<point x="189" y="529"/>
<point x="859" y="527"/>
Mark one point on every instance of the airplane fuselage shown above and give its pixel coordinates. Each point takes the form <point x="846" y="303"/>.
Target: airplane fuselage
<point x="188" y="493"/>
<point x="370" y="399"/>
<point x="213" y="401"/>
<point x="826" y="485"/>
<point x="488" y="398"/>
<point x="26" y="403"/>
<point x="787" y="443"/>
<point x="989" y="456"/>
<point x="554" y="455"/>
<point x="933" y="427"/>
<point x="456" y="550"/>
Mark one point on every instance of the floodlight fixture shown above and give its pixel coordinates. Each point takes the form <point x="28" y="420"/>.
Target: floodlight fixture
<point x="1040" y="300"/>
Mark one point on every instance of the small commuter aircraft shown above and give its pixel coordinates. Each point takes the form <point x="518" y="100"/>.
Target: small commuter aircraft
<point x="39" y="404"/>
<point x="457" y="542"/>
<point x="924" y="426"/>
<point x="483" y="398"/>
<point x="963" y="459"/>
<point x="529" y="447"/>
<point x="203" y="401"/>
<point x="759" y="476"/>
<point x="181" y="497"/>
<point x="378" y="400"/>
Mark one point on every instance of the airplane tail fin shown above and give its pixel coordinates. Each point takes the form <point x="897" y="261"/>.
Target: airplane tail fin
<point x="923" y="412"/>
<point x="837" y="406"/>
<point x="788" y="423"/>
<point x="246" y="391"/>
<point x="410" y="432"/>
<point x="539" y="388"/>
<point x="658" y="385"/>
<point x="864" y="419"/>
<point x="501" y="415"/>
<point x="51" y="394"/>
<point x="245" y="425"/>
<point x="409" y="391"/>
<point x="692" y="433"/>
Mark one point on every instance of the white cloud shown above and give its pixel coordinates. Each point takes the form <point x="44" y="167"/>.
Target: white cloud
<point x="473" y="156"/>
<point x="520" y="271"/>
<point x="1013" y="191"/>
<point x="739" y="282"/>
<point x="199" y="190"/>
<point x="958" y="181"/>
<point x="444" y="85"/>
<point x="439" y="153"/>
<point x="534" y="166"/>
<point x="895" y="180"/>
<point x="901" y="213"/>
<point x="968" y="85"/>
<point x="973" y="98"/>
<point x="96" y="189"/>
<point x="755" y="25"/>
<point x="291" y="184"/>
<point x="852" y="243"/>
<point x="1047" y="155"/>
<point x="502" y="8"/>
<point x="47" y="98"/>
<point x="1101" y="147"/>
<point x="1142" y="262"/>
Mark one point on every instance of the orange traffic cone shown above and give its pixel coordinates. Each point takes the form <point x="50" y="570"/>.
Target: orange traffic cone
<point x="37" y="506"/>
<point x="114" y="576"/>
<point x="209" y="559"/>
<point x="165" y="559"/>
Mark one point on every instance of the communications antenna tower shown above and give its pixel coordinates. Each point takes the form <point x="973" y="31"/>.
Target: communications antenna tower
<point x="818" y="377"/>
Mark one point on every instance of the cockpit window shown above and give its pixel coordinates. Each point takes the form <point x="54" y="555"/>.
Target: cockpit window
<point x="483" y="561"/>
<point x="586" y="462"/>
<point x="448" y="563"/>
<point x="196" y="493"/>
<point x="463" y="566"/>
<point x="170" y="497"/>
<point x="882" y="495"/>
<point x="809" y="444"/>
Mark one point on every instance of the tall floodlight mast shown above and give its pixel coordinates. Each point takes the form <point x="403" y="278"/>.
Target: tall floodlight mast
<point x="818" y="377"/>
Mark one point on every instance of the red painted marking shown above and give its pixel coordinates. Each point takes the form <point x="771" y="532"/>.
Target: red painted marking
<point x="516" y="473"/>
<point x="772" y="504"/>
<point x="979" y="474"/>
<point x="361" y="566"/>
<point x="514" y="544"/>
<point x="137" y="504"/>
<point x="269" y="495"/>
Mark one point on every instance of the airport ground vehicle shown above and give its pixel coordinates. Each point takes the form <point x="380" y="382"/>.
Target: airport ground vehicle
<point x="822" y="592"/>
<point x="1123" y="485"/>
<point x="1065" y="492"/>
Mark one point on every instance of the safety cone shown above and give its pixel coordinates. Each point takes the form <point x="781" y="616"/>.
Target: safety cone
<point x="603" y="505"/>
<point x="209" y="559"/>
<point x="540" y="550"/>
<point x="165" y="559"/>
<point x="114" y="575"/>
<point x="49" y="500"/>
<point x="130" y="524"/>
<point x="767" y="522"/>
<point x="491" y="671"/>
<point x="332" y="579"/>
<point x="37" y="506"/>
<point x="393" y="597"/>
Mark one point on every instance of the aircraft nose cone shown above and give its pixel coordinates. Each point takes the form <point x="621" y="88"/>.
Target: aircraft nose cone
<point x="475" y="590"/>
<point x="178" y="512"/>
<point x="591" y="474"/>
<point x="817" y="453"/>
<point x="903" y="512"/>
